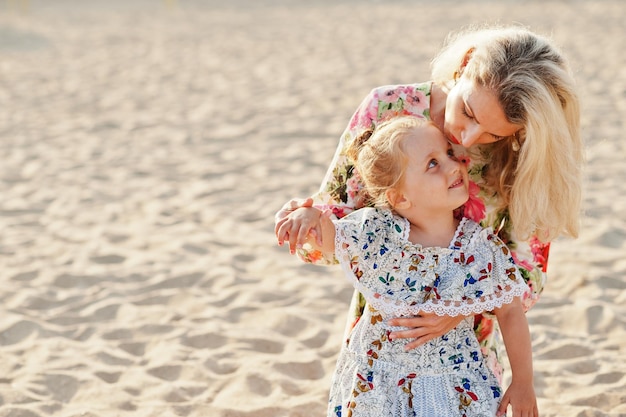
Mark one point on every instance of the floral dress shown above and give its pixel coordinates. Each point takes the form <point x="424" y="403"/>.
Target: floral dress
<point x="447" y="376"/>
<point x="340" y="191"/>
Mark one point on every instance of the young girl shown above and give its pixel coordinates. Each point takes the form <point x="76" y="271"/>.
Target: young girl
<point x="410" y="254"/>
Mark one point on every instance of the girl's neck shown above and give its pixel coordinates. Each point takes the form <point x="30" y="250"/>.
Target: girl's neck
<point x="438" y="97"/>
<point x="436" y="232"/>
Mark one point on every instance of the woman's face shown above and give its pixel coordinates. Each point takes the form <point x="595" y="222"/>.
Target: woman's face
<point x="474" y="116"/>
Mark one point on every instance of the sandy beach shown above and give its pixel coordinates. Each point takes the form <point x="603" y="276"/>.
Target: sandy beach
<point x="145" y="147"/>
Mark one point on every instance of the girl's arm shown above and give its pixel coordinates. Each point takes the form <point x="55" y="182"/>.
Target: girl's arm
<point x="520" y="394"/>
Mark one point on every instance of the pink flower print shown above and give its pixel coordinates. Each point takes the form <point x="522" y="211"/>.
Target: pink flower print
<point x="391" y="96"/>
<point x="416" y="100"/>
<point x="540" y="252"/>
<point x="354" y="186"/>
<point x="341" y="211"/>
<point x="338" y="211"/>
<point x="366" y="113"/>
<point x="527" y="265"/>
<point x="474" y="208"/>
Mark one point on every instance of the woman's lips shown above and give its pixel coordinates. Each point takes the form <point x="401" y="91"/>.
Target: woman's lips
<point x="454" y="140"/>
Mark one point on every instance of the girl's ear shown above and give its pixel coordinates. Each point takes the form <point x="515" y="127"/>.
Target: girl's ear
<point x="397" y="199"/>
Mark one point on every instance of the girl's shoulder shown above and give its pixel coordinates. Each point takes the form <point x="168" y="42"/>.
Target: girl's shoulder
<point x="467" y="234"/>
<point x="472" y="237"/>
<point x="380" y="221"/>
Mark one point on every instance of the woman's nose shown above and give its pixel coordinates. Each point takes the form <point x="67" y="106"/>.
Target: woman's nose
<point x="469" y="137"/>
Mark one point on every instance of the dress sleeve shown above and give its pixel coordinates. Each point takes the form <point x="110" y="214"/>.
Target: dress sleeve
<point x="341" y="188"/>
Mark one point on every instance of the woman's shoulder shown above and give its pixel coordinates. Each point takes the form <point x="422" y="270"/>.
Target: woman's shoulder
<point x="390" y="89"/>
<point x="389" y="101"/>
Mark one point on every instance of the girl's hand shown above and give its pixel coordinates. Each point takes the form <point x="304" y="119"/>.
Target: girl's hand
<point x="424" y="327"/>
<point x="297" y="226"/>
<point x="521" y="397"/>
<point x="290" y="206"/>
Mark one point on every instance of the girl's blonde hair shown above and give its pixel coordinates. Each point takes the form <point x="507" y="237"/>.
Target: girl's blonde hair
<point x="380" y="158"/>
<point x="537" y="177"/>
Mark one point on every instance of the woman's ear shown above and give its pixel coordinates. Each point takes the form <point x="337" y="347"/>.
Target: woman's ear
<point x="466" y="59"/>
<point x="397" y="199"/>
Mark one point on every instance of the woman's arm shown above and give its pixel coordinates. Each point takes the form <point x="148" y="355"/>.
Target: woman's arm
<point x="520" y="394"/>
<point x="531" y="257"/>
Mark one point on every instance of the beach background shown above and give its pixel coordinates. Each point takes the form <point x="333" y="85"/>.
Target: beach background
<point x="144" y="149"/>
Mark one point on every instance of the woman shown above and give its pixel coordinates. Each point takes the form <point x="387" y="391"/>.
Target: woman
<point x="507" y="96"/>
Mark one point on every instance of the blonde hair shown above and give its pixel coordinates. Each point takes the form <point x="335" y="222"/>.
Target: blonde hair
<point x="379" y="156"/>
<point x="541" y="184"/>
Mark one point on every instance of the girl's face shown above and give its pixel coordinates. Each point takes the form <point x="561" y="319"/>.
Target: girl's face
<point x="434" y="180"/>
<point x="474" y="116"/>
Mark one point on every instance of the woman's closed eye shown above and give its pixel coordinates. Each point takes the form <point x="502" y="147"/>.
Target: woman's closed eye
<point x="496" y="138"/>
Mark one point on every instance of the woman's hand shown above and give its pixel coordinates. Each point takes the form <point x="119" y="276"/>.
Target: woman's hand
<point x="290" y="206"/>
<point x="297" y="226"/>
<point x="423" y="328"/>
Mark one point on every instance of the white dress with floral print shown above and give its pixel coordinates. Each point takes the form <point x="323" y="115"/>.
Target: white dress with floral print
<point x="447" y="376"/>
<point x="340" y="191"/>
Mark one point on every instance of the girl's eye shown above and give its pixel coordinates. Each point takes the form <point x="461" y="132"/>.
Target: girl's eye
<point x="432" y="163"/>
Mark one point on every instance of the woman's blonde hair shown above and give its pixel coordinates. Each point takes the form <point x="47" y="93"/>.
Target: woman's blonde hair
<point x="537" y="177"/>
<point x="380" y="158"/>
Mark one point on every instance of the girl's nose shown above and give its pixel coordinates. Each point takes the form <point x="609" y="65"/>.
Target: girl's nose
<point x="452" y="166"/>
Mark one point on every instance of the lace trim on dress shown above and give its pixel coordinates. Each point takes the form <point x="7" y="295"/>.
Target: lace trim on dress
<point x="476" y="274"/>
<point x="397" y="308"/>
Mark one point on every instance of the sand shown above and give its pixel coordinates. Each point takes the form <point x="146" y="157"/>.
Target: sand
<point x="145" y="147"/>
